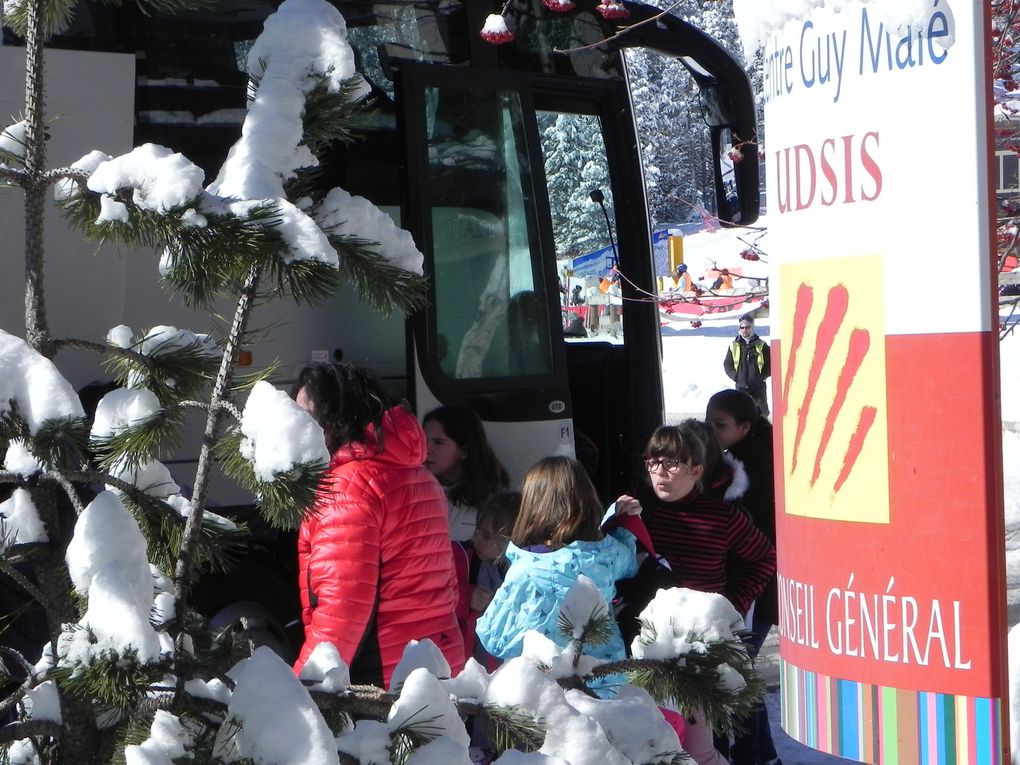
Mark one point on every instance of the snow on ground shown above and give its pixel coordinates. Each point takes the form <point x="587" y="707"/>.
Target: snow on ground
<point x="692" y="370"/>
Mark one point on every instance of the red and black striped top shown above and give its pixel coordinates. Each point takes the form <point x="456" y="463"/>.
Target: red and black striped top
<point x="699" y="534"/>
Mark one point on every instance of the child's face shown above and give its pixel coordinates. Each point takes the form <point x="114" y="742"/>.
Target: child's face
<point x="672" y="479"/>
<point x="444" y="458"/>
<point x="488" y="543"/>
<point x="726" y="428"/>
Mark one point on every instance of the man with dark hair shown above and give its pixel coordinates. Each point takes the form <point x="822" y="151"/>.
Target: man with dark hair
<point x="748" y="363"/>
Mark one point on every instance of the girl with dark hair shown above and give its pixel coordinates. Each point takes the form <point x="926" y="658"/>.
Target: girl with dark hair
<point x="725" y="476"/>
<point x="747" y="438"/>
<point x="557" y="537"/>
<point x="374" y="555"/>
<point x="459" y="456"/>
<point x="696" y="533"/>
<point x="701" y="537"/>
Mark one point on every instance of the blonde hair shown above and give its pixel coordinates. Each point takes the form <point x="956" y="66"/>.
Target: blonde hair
<point x="559" y="505"/>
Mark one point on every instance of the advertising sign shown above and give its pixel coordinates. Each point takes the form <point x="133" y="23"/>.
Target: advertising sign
<point x="889" y="488"/>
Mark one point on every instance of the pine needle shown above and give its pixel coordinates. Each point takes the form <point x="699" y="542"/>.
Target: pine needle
<point x="509" y="728"/>
<point x="282" y="502"/>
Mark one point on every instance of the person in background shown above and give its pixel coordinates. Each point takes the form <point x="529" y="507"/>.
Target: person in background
<point x="723" y="282"/>
<point x="725" y="476"/>
<point x="558" y="536"/>
<point x="459" y="456"/>
<point x="374" y="561"/>
<point x="748" y="363"/>
<point x="481" y="566"/>
<point x="682" y="279"/>
<point x="747" y="438"/>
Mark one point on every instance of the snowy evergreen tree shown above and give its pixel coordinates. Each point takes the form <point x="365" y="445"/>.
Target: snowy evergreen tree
<point x="575" y="163"/>
<point x="674" y="136"/>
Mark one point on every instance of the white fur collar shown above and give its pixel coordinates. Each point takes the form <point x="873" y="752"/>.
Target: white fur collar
<point x="740" y="484"/>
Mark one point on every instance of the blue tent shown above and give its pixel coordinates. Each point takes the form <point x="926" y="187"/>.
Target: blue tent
<point x="600" y="262"/>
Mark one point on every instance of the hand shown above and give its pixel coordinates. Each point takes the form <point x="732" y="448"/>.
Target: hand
<point x="627" y="505"/>
<point x="480" y="598"/>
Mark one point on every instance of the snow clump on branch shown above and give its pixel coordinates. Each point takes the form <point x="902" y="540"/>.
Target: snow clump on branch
<point x="348" y="215"/>
<point x="278" y="434"/>
<point x="20" y="460"/>
<point x="19" y="521"/>
<point x="679" y="621"/>
<point x="122" y="409"/>
<point x="162" y="180"/>
<point x="106" y="560"/>
<point x="277" y="721"/>
<point x="35" y="385"/>
<point x="419" y="654"/>
<point x="168" y="741"/>
<point x="12" y="139"/>
<point x="271" y="148"/>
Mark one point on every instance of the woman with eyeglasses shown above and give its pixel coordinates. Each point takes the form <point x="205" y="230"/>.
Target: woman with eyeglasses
<point x="696" y="533"/>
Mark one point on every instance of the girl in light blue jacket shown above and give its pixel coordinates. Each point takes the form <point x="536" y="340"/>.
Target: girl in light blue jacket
<point x="558" y="537"/>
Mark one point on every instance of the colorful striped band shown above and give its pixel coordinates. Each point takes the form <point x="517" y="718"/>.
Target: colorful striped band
<point x="889" y="726"/>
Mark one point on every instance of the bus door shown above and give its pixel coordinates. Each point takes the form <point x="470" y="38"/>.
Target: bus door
<point x="492" y="335"/>
<point x="600" y="223"/>
<point x="477" y="207"/>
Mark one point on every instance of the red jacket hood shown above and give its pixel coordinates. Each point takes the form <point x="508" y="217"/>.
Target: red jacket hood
<point x="403" y="442"/>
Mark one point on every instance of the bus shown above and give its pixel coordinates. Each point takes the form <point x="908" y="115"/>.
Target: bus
<point x="453" y="150"/>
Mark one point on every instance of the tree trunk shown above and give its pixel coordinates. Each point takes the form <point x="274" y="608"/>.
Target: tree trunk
<point x="36" y="328"/>
<point x="79" y="741"/>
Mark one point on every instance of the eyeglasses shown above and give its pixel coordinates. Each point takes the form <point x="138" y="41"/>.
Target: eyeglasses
<point x="670" y="465"/>
<point x="746" y="326"/>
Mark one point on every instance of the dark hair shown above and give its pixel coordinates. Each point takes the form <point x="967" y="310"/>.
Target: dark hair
<point x="482" y="474"/>
<point x="558" y="505"/>
<point x="502" y="508"/>
<point x="676" y="443"/>
<point x="706" y="434"/>
<point x="737" y="404"/>
<point x="746" y="317"/>
<point x="347" y="400"/>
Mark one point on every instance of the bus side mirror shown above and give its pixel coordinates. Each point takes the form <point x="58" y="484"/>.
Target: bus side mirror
<point x="735" y="164"/>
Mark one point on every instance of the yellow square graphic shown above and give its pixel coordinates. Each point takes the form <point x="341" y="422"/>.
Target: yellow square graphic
<point x="834" y="414"/>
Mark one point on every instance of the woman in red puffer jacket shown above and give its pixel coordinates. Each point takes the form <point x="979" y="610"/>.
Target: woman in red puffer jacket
<point x="374" y="555"/>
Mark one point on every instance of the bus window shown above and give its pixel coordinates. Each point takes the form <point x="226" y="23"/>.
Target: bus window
<point x="584" y="223"/>
<point x="490" y="303"/>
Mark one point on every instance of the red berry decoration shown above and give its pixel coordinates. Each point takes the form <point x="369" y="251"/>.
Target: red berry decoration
<point x="610" y="11"/>
<point x="495" y="30"/>
<point x="559" y="6"/>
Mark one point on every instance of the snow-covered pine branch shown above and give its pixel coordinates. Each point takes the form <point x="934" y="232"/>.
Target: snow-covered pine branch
<point x="248" y="234"/>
